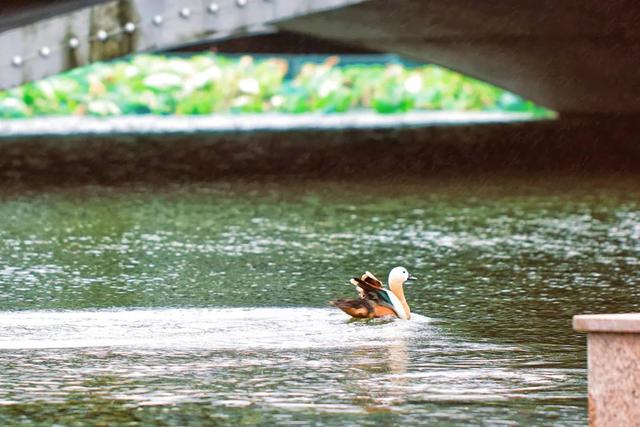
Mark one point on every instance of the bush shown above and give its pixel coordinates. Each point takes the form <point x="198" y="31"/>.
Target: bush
<point x="208" y="84"/>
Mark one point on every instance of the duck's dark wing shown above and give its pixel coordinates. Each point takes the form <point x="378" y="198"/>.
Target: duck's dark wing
<point x="372" y="280"/>
<point x="369" y="279"/>
<point x="373" y="293"/>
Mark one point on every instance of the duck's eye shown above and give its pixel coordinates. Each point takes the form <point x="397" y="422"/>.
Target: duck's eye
<point x="404" y="271"/>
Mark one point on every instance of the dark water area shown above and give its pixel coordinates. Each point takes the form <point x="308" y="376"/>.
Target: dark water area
<point x="184" y="151"/>
<point x="194" y="304"/>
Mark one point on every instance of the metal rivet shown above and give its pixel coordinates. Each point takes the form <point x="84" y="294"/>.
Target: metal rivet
<point x="185" y="13"/>
<point x="45" y="51"/>
<point x="158" y="20"/>
<point x="74" y="43"/>
<point x="16" y="61"/>
<point x="241" y="3"/>
<point x="130" y="27"/>
<point x="213" y="8"/>
<point x="102" y="35"/>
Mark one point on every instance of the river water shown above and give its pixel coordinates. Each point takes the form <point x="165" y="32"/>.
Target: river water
<point x="206" y="304"/>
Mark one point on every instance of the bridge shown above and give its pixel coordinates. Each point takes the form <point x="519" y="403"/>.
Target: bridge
<point x="574" y="56"/>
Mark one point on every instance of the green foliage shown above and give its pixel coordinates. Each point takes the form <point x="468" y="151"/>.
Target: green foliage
<point x="208" y="84"/>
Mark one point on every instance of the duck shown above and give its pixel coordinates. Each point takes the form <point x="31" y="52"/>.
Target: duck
<point x="375" y="300"/>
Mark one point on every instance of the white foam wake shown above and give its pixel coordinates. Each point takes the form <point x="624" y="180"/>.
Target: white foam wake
<point x="228" y="328"/>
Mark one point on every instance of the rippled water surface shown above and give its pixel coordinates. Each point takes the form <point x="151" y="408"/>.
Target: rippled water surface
<point x="206" y="304"/>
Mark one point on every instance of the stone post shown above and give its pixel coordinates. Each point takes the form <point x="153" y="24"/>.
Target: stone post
<point x="614" y="368"/>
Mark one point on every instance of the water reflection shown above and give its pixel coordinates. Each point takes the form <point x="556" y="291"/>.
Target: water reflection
<point x="381" y="381"/>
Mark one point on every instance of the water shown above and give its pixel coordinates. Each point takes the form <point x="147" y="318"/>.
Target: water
<point x="205" y="304"/>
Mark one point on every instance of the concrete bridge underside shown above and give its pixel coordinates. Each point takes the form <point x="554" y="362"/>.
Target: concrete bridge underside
<point x="575" y="56"/>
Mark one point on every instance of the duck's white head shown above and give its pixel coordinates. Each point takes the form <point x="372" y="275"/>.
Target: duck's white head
<point x="399" y="275"/>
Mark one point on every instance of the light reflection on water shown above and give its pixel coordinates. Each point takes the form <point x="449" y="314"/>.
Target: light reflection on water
<point x="213" y="329"/>
<point x="289" y="359"/>
<point x="205" y="304"/>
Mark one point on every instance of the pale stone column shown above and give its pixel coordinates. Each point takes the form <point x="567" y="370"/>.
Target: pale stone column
<point x="614" y="368"/>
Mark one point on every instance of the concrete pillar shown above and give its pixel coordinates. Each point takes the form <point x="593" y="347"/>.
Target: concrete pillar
<point x="614" y="368"/>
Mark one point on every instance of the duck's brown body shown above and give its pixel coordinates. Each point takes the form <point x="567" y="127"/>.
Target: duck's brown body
<point x="363" y="309"/>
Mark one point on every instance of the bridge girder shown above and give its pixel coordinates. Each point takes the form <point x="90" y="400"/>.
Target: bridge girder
<point x="578" y="56"/>
<point x="111" y="29"/>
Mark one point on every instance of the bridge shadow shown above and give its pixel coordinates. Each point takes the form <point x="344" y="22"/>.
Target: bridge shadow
<point x="575" y="145"/>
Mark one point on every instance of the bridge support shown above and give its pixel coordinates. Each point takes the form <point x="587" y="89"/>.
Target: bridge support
<point x="614" y="368"/>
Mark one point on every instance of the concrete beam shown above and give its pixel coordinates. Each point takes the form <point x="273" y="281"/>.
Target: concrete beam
<point x="115" y="28"/>
<point x="18" y="13"/>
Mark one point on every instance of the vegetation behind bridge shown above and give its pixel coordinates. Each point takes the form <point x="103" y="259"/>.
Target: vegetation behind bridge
<point x="208" y="84"/>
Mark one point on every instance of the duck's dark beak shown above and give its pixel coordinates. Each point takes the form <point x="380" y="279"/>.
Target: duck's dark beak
<point x="412" y="277"/>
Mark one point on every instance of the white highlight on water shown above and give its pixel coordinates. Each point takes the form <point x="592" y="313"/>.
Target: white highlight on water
<point x="208" y="328"/>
